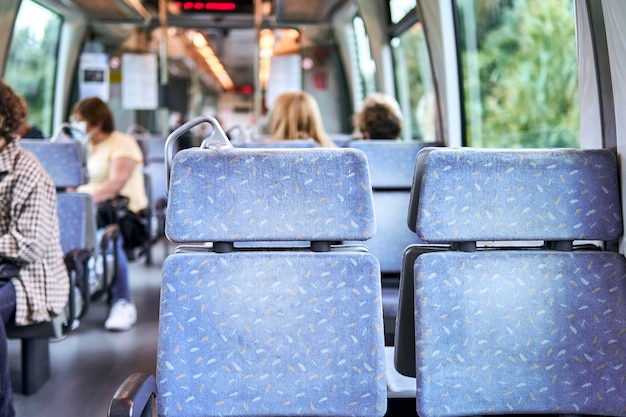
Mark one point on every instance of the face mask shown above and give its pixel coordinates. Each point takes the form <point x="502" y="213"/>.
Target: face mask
<point x="80" y="126"/>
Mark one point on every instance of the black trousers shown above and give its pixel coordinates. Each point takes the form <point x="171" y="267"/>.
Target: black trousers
<point x="7" y="311"/>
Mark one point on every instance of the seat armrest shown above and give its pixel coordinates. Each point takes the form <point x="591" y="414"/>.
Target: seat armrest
<point x="134" y="397"/>
<point x="110" y="237"/>
<point x="77" y="263"/>
<point x="111" y="233"/>
<point x="404" y="353"/>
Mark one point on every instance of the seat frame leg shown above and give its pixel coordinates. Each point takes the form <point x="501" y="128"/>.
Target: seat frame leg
<point x="35" y="364"/>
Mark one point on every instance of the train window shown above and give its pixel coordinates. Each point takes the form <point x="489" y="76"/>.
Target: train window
<point x="414" y="84"/>
<point x="400" y="8"/>
<point x="519" y="73"/>
<point x="366" y="65"/>
<point x="31" y="67"/>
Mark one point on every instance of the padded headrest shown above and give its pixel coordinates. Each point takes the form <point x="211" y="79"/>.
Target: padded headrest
<point x="63" y="161"/>
<point x="238" y="195"/>
<point x="531" y="194"/>
<point x="287" y="143"/>
<point x="391" y="162"/>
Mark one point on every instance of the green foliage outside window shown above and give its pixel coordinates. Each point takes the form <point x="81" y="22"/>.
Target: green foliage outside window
<point x="31" y="68"/>
<point x="520" y="73"/>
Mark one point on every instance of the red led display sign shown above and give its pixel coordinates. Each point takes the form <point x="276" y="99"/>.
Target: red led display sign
<point x="215" y="6"/>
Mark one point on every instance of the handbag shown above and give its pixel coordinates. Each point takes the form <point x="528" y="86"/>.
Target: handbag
<point x="133" y="227"/>
<point x="8" y="270"/>
<point x="111" y="211"/>
<point x="135" y="230"/>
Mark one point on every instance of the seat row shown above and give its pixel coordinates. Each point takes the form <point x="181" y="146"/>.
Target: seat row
<point x="521" y="311"/>
<point x="66" y="164"/>
<point x="513" y="303"/>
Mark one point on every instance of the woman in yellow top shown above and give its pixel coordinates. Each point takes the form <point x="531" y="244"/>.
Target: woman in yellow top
<point x="115" y="167"/>
<point x="296" y="115"/>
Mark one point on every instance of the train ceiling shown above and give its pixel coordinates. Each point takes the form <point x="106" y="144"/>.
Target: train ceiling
<point x="228" y="24"/>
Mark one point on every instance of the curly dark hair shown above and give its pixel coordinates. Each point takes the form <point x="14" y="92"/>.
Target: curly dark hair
<point x="12" y="112"/>
<point x="380" y="117"/>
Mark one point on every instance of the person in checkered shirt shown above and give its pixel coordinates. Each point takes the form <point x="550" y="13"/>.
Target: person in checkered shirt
<point x="29" y="236"/>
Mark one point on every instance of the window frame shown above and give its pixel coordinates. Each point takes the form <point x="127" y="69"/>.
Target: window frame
<point x="50" y="78"/>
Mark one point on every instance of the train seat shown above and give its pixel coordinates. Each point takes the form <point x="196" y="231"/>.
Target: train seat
<point x="155" y="168"/>
<point x="153" y="174"/>
<point x="65" y="164"/>
<point x="523" y="313"/>
<point x="265" y="330"/>
<point x="391" y="166"/>
<point x="341" y="139"/>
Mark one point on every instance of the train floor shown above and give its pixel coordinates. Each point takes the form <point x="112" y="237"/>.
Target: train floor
<point x="90" y="363"/>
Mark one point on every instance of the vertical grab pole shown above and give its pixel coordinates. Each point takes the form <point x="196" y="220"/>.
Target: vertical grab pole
<point x="164" y="76"/>
<point x="258" y="94"/>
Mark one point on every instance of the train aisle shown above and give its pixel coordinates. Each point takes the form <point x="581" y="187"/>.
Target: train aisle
<point x="90" y="363"/>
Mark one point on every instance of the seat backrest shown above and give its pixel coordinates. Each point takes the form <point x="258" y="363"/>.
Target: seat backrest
<point x="262" y="330"/>
<point x="391" y="165"/>
<point x="155" y="149"/>
<point x="526" y="328"/>
<point x="156" y="171"/>
<point x="391" y="162"/>
<point x="341" y="139"/>
<point x="302" y="195"/>
<point x="142" y="136"/>
<point x="65" y="162"/>
<point x="76" y="229"/>
<point x="502" y="195"/>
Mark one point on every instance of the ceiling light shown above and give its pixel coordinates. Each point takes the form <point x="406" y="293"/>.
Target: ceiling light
<point x="216" y="67"/>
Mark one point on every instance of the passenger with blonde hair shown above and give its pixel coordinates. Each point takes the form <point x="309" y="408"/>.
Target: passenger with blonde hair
<point x="380" y="117"/>
<point x="296" y="115"/>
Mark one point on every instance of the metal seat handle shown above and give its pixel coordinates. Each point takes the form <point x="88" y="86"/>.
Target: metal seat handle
<point x="216" y="139"/>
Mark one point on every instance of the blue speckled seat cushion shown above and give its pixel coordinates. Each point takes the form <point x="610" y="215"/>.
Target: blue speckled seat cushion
<point x="486" y="194"/>
<point x="520" y="332"/>
<point x="392" y="235"/>
<point x="76" y="221"/>
<point x="392" y="162"/>
<point x="63" y="161"/>
<point x="527" y="331"/>
<point x="241" y="195"/>
<point x="269" y="334"/>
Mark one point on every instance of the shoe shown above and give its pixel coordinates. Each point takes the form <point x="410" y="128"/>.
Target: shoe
<point x="75" y="325"/>
<point x="122" y="316"/>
